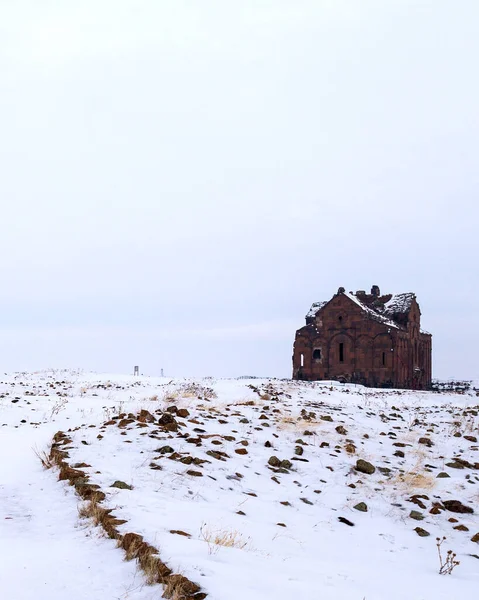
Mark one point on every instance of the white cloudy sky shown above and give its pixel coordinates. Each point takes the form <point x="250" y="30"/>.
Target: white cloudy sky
<point x="180" y="180"/>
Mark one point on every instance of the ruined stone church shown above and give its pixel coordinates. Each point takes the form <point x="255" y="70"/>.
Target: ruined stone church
<point x="372" y="339"/>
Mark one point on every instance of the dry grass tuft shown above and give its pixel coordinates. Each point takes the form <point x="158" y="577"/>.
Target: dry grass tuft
<point x="215" y="538"/>
<point x="45" y="457"/>
<point x="290" y="423"/>
<point x="178" y="587"/>
<point x="412" y="480"/>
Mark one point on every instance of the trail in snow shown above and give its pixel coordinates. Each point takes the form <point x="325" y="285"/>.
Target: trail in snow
<point x="45" y="554"/>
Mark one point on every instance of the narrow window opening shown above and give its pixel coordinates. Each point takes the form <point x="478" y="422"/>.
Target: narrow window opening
<point x="317" y="354"/>
<point x="302" y="360"/>
<point x="384" y="359"/>
<point x="341" y="352"/>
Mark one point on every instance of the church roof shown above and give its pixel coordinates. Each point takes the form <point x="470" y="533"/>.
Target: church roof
<point x="391" y="310"/>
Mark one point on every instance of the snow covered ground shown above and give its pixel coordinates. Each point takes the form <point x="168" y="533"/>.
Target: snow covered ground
<point x="215" y="497"/>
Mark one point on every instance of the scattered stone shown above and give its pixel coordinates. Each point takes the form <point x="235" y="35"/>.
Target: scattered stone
<point x="241" y="451"/>
<point x="457" y="507"/>
<point x="416" y="515"/>
<point x="471" y="438"/>
<point x="346" y="521"/>
<point x="165" y="450"/>
<point x="341" y="430"/>
<point x="306" y="501"/>
<point x="475" y="538"/>
<point x="168" y="422"/>
<point x="194" y="473"/>
<point x="362" y="507"/>
<point x="121" y="485"/>
<point x="183" y="413"/>
<point x="461" y="528"/>
<point x="217" y="454"/>
<point x="326" y="418"/>
<point x="363" y="466"/>
<point x="274" y="461"/>
<point x="286" y="464"/>
<point x="455" y="465"/>
<point x="145" y="417"/>
<point x="421" y="532"/>
<point x="299" y="450"/>
<point x="426" y="441"/>
<point x="442" y="475"/>
<point x="179" y="532"/>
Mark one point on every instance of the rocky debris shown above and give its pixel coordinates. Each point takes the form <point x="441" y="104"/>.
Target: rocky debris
<point x="455" y="465"/>
<point x="165" y="450"/>
<point x="299" y="450"/>
<point x="442" y="475"/>
<point x="274" y="461"/>
<point x="194" y="473"/>
<point x="217" y="454"/>
<point x="421" y="532"/>
<point x="362" y="507"/>
<point x="306" y="501"/>
<point x="456" y="506"/>
<point x="168" y="422"/>
<point x="145" y="416"/>
<point x="179" y="532"/>
<point x="121" y="485"/>
<point x="363" y="466"/>
<point x="341" y="430"/>
<point x="426" y="441"/>
<point x="475" y="538"/>
<point x="346" y="521"/>
<point x="416" y="515"/>
<point x="471" y="438"/>
<point x="418" y="500"/>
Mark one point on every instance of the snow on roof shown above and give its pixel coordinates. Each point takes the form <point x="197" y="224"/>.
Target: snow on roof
<point x="389" y="313"/>
<point x="316" y="306"/>
<point x="399" y="304"/>
<point x="371" y="312"/>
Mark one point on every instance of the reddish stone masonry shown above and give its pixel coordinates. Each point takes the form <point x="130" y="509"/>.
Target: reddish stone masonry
<point x="371" y="339"/>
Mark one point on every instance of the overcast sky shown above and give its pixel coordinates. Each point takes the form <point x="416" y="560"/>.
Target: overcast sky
<point x="180" y="180"/>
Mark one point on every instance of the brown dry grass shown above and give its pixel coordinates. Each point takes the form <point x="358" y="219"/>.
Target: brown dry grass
<point x="222" y="537"/>
<point x="290" y="423"/>
<point x="178" y="587"/>
<point x="45" y="457"/>
<point x="414" y="481"/>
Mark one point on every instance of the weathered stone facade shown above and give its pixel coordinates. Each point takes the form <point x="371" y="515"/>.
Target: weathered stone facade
<point x="372" y="339"/>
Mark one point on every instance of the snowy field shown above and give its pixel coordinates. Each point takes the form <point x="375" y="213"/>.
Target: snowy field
<point x="247" y="487"/>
